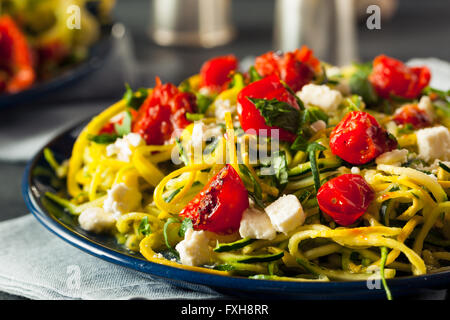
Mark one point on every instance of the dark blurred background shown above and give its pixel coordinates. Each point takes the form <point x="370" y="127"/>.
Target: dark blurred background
<point x="416" y="28"/>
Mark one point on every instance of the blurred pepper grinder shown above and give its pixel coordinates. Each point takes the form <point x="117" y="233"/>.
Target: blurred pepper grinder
<point x="326" y="26"/>
<point x="204" y="23"/>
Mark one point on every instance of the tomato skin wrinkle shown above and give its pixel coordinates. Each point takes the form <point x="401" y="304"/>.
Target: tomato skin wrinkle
<point x="16" y="57"/>
<point x="296" y="68"/>
<point x="221" y="203"/>
<point x="345" y="198"/>
<point x="391" y="77"/>
<point x="410" y="113"/>
<point x="162" y="113"/>
<point x="215" y="73"/>
<point x="251" y="118"/>
<point x="358" y="138"/>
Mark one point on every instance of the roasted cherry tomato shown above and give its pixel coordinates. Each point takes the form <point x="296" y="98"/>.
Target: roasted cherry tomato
<point x="266" y="88"/>
<point x="110" y="127"/>
<point x="220" y="205"/>
<point x="15" y="56"/>
<point x="391" y="77"/>
<point x="163" y="113"/>
<point x="412" y="114"/>
<point x="215" y="73"/>
<point x="345" y="198"/>
<point x="296" y="68"/>
<point x="359" y="139"/>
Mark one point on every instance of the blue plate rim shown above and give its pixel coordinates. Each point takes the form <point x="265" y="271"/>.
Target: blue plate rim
<point x="434" y="280"/>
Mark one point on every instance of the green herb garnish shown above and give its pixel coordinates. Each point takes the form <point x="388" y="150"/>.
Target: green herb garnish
<point x="144" y="227"/>
<point x="278" y="113"/>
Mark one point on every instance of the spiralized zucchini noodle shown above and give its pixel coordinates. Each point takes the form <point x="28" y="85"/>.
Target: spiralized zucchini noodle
<point x="137" y="192"/>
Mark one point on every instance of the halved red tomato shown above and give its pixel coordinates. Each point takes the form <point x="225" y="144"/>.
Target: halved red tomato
<point x="221" y="203"/>
<point x="163" y="112"/>
<point x="250" y="117"/>
<point x="345" y="198"/>
<point x="358" y="138"/>
<point x="391" y="77"/>
<point x="215" y="73"/>
<point x="296" y="68"/>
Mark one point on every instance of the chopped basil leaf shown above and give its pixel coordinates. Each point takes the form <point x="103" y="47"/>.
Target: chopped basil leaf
<point x="360" y="85"/>
<point x="279" y="162"/>
<point x="124" y="128"/>
<point x="444" y="166"/>
<point x="289" y="89"/>
<point x="203" y="102"/>
<point x="300" y="143"/>
<point x="406" y="129"/>
<point x="134" y="99"/>
<point x="312" y="149"/>
<point x="144" y="227"/>
<point x="237" y="81"/>
<point x="185" y="86"/>
<point x="185" y="225"/>
<point x="194" y="116"/>
<point x="211" y="146"/>
<point x="254" y="75"/>
<point x="166" y="236"/>
<point x="313" y="114"/>
<point x="278" y="113"/>
<point x="104" y="138"/>
<point x="172" y="195"/>
<point x="183" y="155"/>
<point x="256" y="195"/>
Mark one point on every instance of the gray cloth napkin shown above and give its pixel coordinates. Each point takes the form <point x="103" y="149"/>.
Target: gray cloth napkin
<point x="36" y="264"/>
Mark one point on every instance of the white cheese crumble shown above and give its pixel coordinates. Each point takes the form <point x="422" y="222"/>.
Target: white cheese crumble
<point x="286" y="213"/>
<point x="321" y="96"/>
<point x="318" y="125"/>
<point x="202" y="132"/>
<point x="433" y="143"/>
<point x="255" y="224"/>
<point x="194" y="250"/>
<point x="355" y="170"/>
<point x="394" y="157"/>
<point x="426" y="106"/>
<point x="223" y="106"/>
<point x="121" y="199"/>
<point x="96" y="220"/>
<point x="123" y="147"/>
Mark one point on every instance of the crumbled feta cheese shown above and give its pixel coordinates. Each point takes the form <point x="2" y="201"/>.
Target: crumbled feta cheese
<point x="122" y="199"/>
<point x="255" y="224"/>
<point x="286" y="213"/>
<point x="434" y="143"/>
<point x="123" y="147"/>
<point x="426" y="105"/>
<point x="321" y="96"/>
<point x="318" y="125"/>
<point x="202" y="132"/>
<point x="194" y="250"/>
<point x="96" y="220"/>
<point x="355" y="170"/>
<point x="197" y="134"/>
<point x="394" y="157"/>
<point x="223" y="106"/>
<point x="369" y="176"/>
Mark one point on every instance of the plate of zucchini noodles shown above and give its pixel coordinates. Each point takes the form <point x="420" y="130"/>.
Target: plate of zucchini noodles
<point x="293" y="177"/>
<point x="44" y="46"/>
